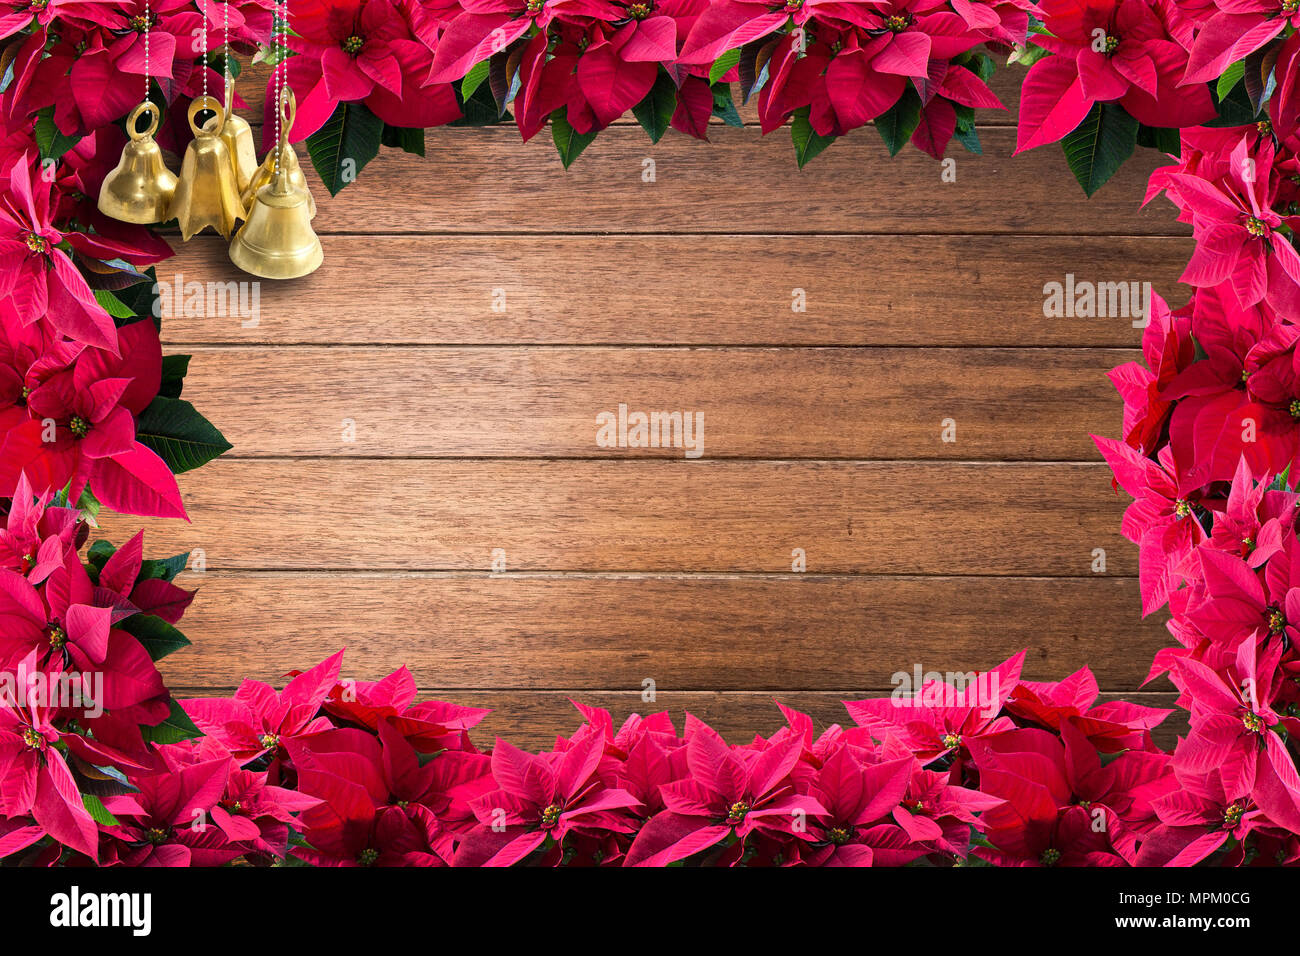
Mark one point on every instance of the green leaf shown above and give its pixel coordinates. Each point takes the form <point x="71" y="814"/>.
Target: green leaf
<point x="98" y="812"/>
<point x="99" y="553"/>
<point x="724" y="107"/>
<point x="182" y="437"/>
<point x="1233" y="75"/>
<point x="655" y="112"/>
<point x="723" y="65"/>
<point x="407" y="140"/>
<point x="166" y="568"/>
<point x="480" y="108"/>
<point x="1235" y="108"/>
<point x="88" y="503"/>
<point x="568" y="142"/>
<point x="897" y="124"/>
<point x="970" y="138"/>
<point x="174" y="728"/>
<point x="49" y="140"/>
<point x="156" y="636"/>
<point x="174" y="370"/>
<point x="1103" y="141"/>
<point x="1165" y="139"/>
<point x="345" y="144"/>
<point x="113" y="305"/>
<point x="807" y="141"/>
<point x="1026" y="55"/>
<point x="474" y="78"/>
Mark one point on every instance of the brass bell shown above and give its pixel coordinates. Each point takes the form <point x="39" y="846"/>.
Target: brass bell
<point x="287" y="160"/>
<point x="281" y="155"/>
<point x="207" y="194"/>
<point x="238" y="137"/>
<point x="140" y="187"/>
<point x="277" y="241"/>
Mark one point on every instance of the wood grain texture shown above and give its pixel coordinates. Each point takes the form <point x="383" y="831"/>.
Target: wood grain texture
<point x="475" y="428"/>
<point x="702" y="632"/>
<point x="683" y="290"/>
<point x="854" y="517"/>
<point x="741" y="183"/>
<point x="532" y="719"/>
<point x="743" y="403"/>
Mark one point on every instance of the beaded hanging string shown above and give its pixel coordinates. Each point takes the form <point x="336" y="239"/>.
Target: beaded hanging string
<point x="281" y="41"/>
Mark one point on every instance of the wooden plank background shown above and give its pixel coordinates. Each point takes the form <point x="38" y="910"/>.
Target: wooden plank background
<point x="392" y="430"/>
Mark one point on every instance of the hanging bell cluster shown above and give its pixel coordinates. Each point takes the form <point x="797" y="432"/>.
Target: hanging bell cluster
<point x="277" y="240"/>
<point x="221" y="184"/>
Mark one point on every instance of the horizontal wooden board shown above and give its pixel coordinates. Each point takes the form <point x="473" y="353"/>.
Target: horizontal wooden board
<point x="698" y="632"/>
<point x="532" y="719"/>
<point x="685" y="290"/>
<point x="740" y="183"/>
<point x="649" y="515"/>
<point x="1016" y="404"/>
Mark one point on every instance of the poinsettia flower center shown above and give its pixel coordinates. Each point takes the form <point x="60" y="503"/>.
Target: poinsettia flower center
<point x="1232" y="815"/>
<point x="58" y="637"/>
<point x="1290" y="6"/>
<point x="1265" y="127"/>
<point x="32" y="738"/>
<point x="737" y="811"/>
<point x="1248" y="543"/>
<point x="899" y="22"/>
<point x="157" y="835"/>
<point x="840" y="835"/>
<point x="951" y="741"/>
<point x="551" y="816"/>
<point x="1182" y="507"/>
<point x="1276" y="620"/>
<point x="368" y="857"/>
<point x="354" y="44"/>
<point x="535" y="6"/>
<point x="144" y="22"/>
<point x="1050" y="857"/>
<point x="793" y="4"/>
<point x="1110" y="44"/>
<point x="1256" y="227"/>
<point x="1252" y="722"/>
<point x="269" y="741"/>
<point x="79" y="426"/>
<point x="638" y="11"/>
<point x="38" y="244"/>
<point x="1294" y="408"/>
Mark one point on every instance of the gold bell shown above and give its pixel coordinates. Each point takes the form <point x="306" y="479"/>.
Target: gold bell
<point x="238" y="137"/>
<point x="207" y="194"/>
<point x="280" y="156"/>
<point x="140" y="187"/>
<point x="277" y="241"/>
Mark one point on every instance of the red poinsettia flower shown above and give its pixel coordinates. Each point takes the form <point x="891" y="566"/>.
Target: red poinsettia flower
<point x="541" y="800"/>
<point x="1106" y="51"/>
<point x="727" y="794"/>
<point x="82" y="429"/>
<point x="39" y="280"/>
<point x="1162" y="519"/>
<point x="34" y="776"/>
<point x="1237" y="231"/>
<point x="258" y="721"/>
<point x="169" y="819"/>
<point x="361" y="51"/>
<point x="37" y="537"/>
<point x="1238" y="29"/>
